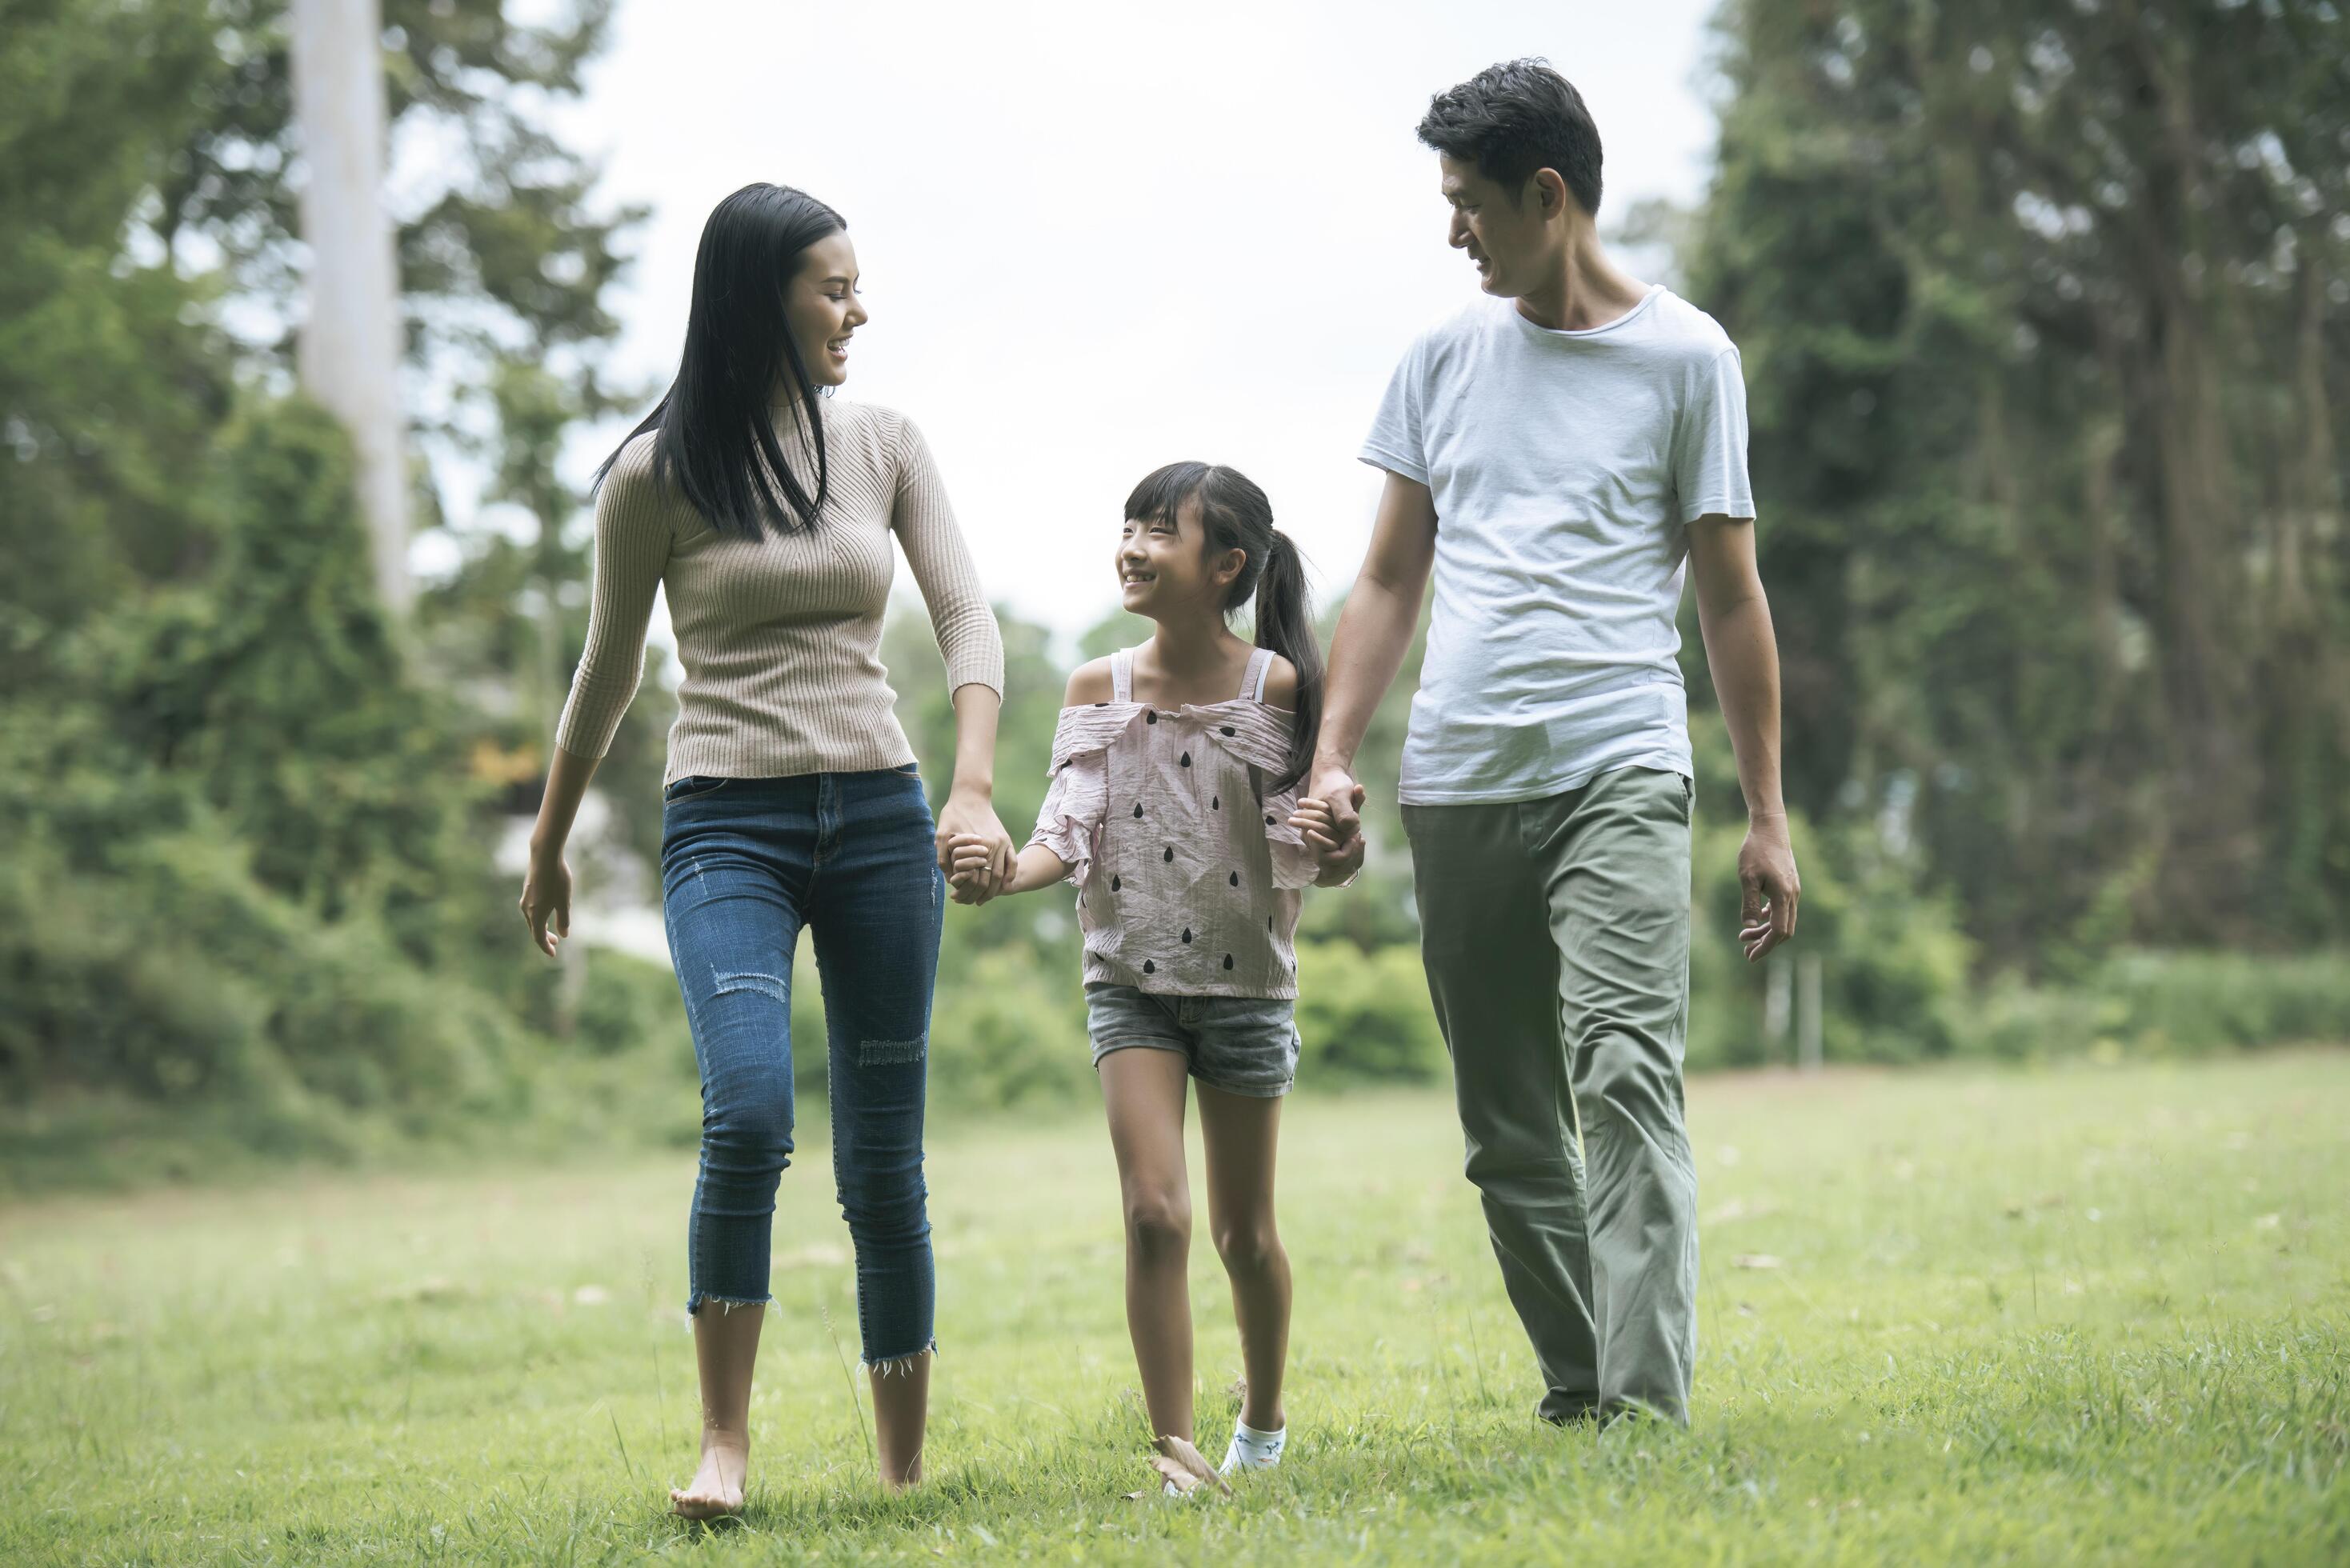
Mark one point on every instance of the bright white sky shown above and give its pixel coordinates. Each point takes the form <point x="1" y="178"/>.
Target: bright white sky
<point x="1096" y="238"/>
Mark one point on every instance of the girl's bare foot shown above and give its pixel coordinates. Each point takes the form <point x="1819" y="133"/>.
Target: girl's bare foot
<point x="716" y="1489"/>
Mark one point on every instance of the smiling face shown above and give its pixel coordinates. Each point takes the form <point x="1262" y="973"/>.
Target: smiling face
<point x="1164" y="568"/>
<point x="821" y="307"/>
<point x="1516" y="244"/>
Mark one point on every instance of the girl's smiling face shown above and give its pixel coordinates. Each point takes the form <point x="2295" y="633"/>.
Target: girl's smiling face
<point x="1163" y="567"/>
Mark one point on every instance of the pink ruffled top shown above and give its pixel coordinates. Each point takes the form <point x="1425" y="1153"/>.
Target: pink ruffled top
<point x="1187" y="871"/>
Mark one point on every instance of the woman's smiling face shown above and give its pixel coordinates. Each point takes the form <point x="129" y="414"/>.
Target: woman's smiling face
<point x="821" y="306"/>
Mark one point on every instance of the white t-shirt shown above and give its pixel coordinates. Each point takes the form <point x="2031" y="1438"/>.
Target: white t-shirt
<point x="1566" y="468"/>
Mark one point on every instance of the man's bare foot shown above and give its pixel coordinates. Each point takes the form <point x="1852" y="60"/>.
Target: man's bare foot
<point x="716" y="1489"/>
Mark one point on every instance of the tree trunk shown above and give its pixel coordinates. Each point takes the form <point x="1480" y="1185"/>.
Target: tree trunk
<point x="349" y="352"/>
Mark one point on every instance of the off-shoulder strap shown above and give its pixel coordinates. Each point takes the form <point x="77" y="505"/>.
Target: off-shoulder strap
<point x="1252" y="683"/>
<point x="1122" y="675"/>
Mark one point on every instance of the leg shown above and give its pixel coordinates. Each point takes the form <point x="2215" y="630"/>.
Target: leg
<point x="875" y="912"/>
<point x="726" y="1350"/>
<point x="732" y="908"/>
<point x="1492" y="973"/>
<point x="1620" y="908"/>
<point x="1240" y="1133"/>
<point x="1142" y="1089"/>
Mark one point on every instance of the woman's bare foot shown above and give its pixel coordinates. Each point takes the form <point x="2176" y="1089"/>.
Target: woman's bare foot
<point x="716" y="1489"/>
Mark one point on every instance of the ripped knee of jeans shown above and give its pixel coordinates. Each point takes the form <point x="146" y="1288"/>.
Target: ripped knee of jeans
<point x="773" y="987"/>
<point x="889" y="1053"/>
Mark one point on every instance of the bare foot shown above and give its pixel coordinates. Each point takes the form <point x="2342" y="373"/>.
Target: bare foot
<point x="716" y="1489"/>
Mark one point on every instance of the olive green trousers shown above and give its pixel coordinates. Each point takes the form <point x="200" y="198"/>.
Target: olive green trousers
<point x="1556" y="937"/>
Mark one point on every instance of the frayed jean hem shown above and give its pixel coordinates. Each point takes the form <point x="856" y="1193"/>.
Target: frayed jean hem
<point x="887" y="1365"/>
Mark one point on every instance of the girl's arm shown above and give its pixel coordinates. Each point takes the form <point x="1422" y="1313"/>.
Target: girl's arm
<point x="1037" y="865"/>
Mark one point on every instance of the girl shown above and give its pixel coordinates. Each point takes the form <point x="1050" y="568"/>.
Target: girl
<point x="1173" y="808"/>
<point x="768" y="512"/>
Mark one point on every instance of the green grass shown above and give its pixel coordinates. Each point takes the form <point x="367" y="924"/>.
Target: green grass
<point x="2082" y="1314"/>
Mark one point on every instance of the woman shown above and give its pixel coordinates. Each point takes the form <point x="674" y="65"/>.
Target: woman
<point x="791" y="798"/>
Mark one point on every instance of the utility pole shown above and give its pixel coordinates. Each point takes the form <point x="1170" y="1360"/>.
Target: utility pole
<point x="350" y="354"/>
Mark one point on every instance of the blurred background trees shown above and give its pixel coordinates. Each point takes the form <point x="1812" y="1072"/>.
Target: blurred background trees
<point x="2045" y="313"/>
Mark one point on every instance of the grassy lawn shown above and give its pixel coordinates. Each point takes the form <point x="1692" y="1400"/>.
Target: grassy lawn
<point x="2097" y="1315"/>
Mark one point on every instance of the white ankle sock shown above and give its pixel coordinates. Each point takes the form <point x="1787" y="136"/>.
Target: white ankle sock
<point x="1252" y="1449"/>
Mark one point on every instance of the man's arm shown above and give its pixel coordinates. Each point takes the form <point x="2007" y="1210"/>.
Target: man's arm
<point x="1743" y="656"/>
<point x="1374" y="633"/>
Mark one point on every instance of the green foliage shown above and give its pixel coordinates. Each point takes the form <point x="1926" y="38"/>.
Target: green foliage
<point x="1364" y="1016"/>
<point x="2045" y="321"/>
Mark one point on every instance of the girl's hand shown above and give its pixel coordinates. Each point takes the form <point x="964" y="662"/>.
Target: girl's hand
<point x="1318" y="823"/>
<point x="546" y="901"/>
<point x="968" y="814"/>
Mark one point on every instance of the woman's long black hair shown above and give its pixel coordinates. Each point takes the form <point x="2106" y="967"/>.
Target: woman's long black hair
<point x="717" y="442"/>
<point x="1237" y="516"/>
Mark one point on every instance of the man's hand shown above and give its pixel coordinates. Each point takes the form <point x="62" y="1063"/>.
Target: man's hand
<point x="1766" y="871"/>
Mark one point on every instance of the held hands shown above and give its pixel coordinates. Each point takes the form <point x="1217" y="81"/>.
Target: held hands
<point x="1318" y="823"/>
<point x="974" y="851"/>
<point x="1329" y="819"/>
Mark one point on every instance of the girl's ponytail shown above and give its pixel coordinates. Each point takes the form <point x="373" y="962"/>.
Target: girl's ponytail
<point x="1284" y="623"/>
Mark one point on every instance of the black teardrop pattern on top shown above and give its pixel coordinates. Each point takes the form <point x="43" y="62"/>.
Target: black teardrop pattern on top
<point x="1170" y="855"/>
<point x="1236" y="878"/>
<point x="1113" y="884"/>
<point x="1101" y="704"/>
<point x="1228" y="960"/>
<point x="1215" y="802"/>
<point x="1268" y="816"/>
<point x="1187" y="936"/>
<point x="1225" y="729"/>
<point x="1149" y="717"/>
<point x="1137" y="810"/>
<point x="1149" y="968"/>
<point x="1187" y="759"/>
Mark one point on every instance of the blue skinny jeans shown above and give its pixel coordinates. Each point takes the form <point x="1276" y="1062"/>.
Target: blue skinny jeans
<point x="746" y="863"/>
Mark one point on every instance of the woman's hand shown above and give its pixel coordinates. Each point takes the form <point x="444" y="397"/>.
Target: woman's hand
<point x="970" y="816"/>
<point x="546" y="899"/>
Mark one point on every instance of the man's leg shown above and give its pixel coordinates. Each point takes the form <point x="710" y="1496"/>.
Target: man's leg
<point x="1619" y="909"/>
<point x="1493" y="974"/>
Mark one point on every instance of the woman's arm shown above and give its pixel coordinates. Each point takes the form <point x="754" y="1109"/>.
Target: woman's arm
<point x="546" y="886"/>
<point x="972" y="647"/>
<point x="632" y="540"/>
<point x="969" y="808"/>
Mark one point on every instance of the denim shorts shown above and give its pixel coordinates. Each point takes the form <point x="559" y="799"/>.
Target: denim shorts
<point x="1240" y="1045"/>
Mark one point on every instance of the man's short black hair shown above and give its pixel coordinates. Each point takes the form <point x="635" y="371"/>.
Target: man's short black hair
<point x="1512" y="119"/>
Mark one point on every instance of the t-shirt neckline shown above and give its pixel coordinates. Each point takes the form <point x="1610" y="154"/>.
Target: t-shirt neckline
<point x="1601" y="330"/>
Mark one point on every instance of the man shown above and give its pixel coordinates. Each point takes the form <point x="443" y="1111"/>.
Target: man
<point x="1558" y="453"/>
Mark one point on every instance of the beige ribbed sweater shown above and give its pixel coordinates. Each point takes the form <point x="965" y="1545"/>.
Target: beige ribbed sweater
<point x="779" y="635"/>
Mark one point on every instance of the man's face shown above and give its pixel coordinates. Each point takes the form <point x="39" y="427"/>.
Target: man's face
<point x="1509" y="240"/>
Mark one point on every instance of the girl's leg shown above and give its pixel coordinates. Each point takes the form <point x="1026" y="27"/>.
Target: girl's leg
<point x="1143" y="1091"/>
<point x="1240" y="1132"/>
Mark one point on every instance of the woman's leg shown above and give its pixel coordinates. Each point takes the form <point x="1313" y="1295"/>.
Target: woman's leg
<point x="1143" y="1090"/>
<point x="732" y="913"/>
<point x="1240" y="1133"/>
<point x="875" y="910"/>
